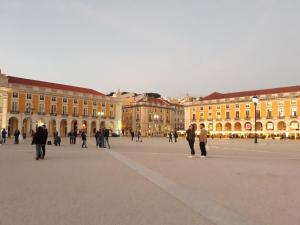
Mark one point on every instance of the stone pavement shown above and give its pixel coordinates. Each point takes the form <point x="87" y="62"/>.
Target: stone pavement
<point x="152" y="182"/>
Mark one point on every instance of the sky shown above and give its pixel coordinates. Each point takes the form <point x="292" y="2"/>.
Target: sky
<point x="172" y="47"/>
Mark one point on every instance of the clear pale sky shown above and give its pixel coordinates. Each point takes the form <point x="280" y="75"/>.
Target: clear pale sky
<point x="166" y="46"/>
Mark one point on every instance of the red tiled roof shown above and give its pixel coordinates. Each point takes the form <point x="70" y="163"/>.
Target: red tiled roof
<point x="23" y="81"/>
<point x="216" y="95"/>
<point x="154" y="100"/>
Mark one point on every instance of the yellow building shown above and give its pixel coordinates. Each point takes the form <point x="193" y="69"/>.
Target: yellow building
<point x="152" y="116"/>
<point x="26" y="104"/>
<point x="233" y="114"/>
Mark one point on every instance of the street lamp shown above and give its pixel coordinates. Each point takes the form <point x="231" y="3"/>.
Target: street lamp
<point x="255" y="100"/>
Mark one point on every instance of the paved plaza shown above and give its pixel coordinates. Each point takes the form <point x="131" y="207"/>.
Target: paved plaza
<point x="151" y="183"/>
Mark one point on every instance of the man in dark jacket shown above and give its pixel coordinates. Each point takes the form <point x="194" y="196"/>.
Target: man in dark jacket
<point x="38" y="139"/>
<point x="45" y="137"/>
<point x="175" y="135"/>
<point x="4" y="134"/>
<point x="83" y="137"/>
<point x="75" y="136"/>
<point x="17" y="135"/>
<point x="190" y="137"/>
<point x="106" y="138"/>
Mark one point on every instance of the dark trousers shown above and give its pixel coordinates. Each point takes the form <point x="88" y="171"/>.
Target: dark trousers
<point x="203" y="149"/>
<point x="132" y="137"/>
<point x="170" y="140"/>
<point x="16" y="140"/>
<point x="192" y="143"/>
<point x="43" y="150"/>
<point x="74" y="141"/>
<point x="175" y="139"/>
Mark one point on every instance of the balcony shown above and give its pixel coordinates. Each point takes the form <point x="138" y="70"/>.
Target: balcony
<point x="227" y="118"/>
<point x="64" y="115"/>
<point x="112" y="117"/>
<point x="28" y="112"/>
<point x="294" y="116"/>
<point x="53" y="114"/>
<point x="41" y="113"/>
<point x="247" y="118"/>
<point x="269" y="117"/>
<point x="75" y="115"/>
<point x="237" y="118"/>
<point x="95" y="116"/>
<point x="85" y="115"/>
<point x="14" y="112"/>
<point x="281" y="117"/>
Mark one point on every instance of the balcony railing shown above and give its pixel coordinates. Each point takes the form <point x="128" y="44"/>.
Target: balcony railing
<point x="64" y="115"/>
<point x="75" y="115"/>
<point x="247" y="118"/>
<point x="269" y="117"/>
<point x="53" y="114"/>
<point x="294" y="116"/>
<point x="41" y="113"/>
<point x="28" y="112"/>
<point x="112" y="117"/>
<point x="237" y="118"/>
<point x="15" y="112"/>
<point x="227" y="118"/>
<point x="281" y="117"/>
<point x="85" y="115"/>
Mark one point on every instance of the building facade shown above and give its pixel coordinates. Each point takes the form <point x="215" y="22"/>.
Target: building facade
<point x="233" y="114"/>
<point x="152" y="116"/>
<point x="26" y="104"/>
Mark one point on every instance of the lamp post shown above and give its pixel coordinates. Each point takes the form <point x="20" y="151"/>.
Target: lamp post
<point x="255" y="100"/>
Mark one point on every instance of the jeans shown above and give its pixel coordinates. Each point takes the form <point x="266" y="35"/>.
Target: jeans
<point x="191" y="144"/>
<point x="38" y="149"/>
<point x="106" y="141"/>
<point x="84" y="144"/>
<point x="203" y="149"/>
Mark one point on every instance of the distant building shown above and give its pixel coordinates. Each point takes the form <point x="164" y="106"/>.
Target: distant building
<point x="152" y="115"/>
<point x="26" y="104"/>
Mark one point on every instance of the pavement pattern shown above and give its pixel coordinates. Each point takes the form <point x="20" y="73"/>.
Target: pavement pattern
<point x="152" y="182"/>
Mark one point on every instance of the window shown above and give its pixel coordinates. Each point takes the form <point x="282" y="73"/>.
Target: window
<point x="29" y="96"/>
<point x="111" y="105"/>
<point x="209" y="107"/>
<point x="94" y="103"/>
<point x="227" y="106"/>
<point x="269" y="104"/>
<point x="75" y="111"/>
<point x="28" y="107"/>
<point x="218" y="115"/>
<point x="247" y="113"/>
<point x="194" y="117"/>
<point x="237" y="114"/>
<point x="201" y="108"/>
<point x="94" y="112"/>
<point x="15" y="107"/>
<point x="103" y="104"/>
<point x="111" y="114"/>
<point x="85" y="112"/>
<point x="64" y="110"/>
<point x="258" y="114"/>
<point x="218" y="107"/>
<point x="53" y="99"/>
<point x="85" y="102"/>
<point x="41" y="108"/>
<point x="42" y="98"/>
<point x="65" y="100"/>
<point x="247" y="106"/>
<point x="15" y="94"/>
<point x="281" y="112"/>
<point x="294" y="111"/>
<point x="53" y="109"/>
<point x="269" y="113"/>
<point x="75" y="101"/>
<point x="237" y="106"/>
<point x="227" y="115"/>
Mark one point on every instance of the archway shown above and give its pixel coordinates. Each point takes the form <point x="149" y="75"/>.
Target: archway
<point x="259" y="126"/>
<point x="93" y="128"/>
<point x="84" y="126"/>
<point x="27" y="127"/>
<point x="111" y="126"/>
<point x="219" y="127"/>
<point x="74" y="125"/>
<point x="238" y="126"/>
<point x="210" y="127"/>
<point x="63" y="128"/>
<point x="270" y="126"/>
<point x="12" y="126"/>
<point x="281" y="126"/>
<point x="228" y="127"/>
<point x="248" y="126"/>
<point x="102" y="124"/>
<point x="52" y="127"/>
<point x="294" y="125"/>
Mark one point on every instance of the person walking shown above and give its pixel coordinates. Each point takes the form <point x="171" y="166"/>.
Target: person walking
<point x="97" y="137"/>
<point x="45" y="137"/>
<point x="170" y="137"/>
<point x="106" y="138"/>
<point x="75" y="136"/>
<point x="203" y="141"/>
<point x="38" y="140"/>
<point x="132" y="135"/>
<point x="83" y="137"/>
<point x="139" y="136"/>
<point x="190" y="137"/>
<point x="175" y="136"/>
<point x="17" y="135"/>
<point x="4" y="134"/>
